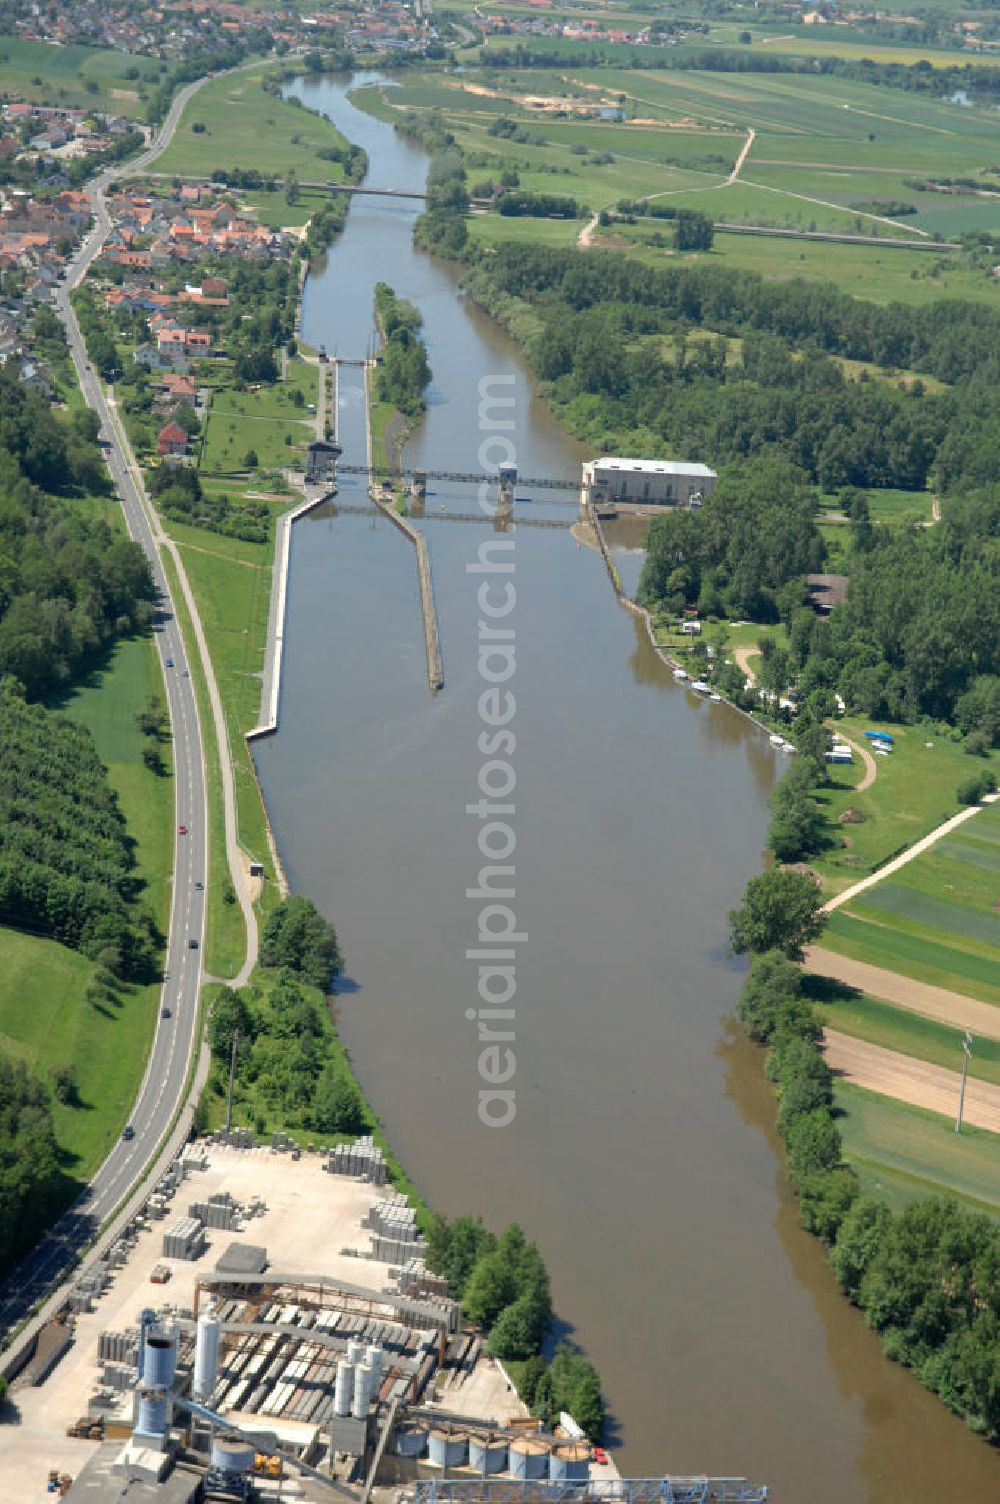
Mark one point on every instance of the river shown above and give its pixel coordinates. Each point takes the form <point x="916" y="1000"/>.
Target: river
<point x="642" y="1156"/>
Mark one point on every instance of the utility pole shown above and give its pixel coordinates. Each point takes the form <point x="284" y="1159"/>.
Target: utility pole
<point x="232" y="1077"/>
<point x="966" y="1057"/>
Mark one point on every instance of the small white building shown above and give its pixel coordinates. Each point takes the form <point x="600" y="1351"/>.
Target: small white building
<point x="657" y="482"/>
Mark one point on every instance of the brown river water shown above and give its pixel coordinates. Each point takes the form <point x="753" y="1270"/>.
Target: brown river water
<point x="642" y="1156"/>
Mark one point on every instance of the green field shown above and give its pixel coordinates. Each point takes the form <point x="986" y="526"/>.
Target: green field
<point x="914" y="790"/>
<point x="870" y="272"/>
<point x="494" y="229"/>
<point x="936" y="919"/>
<point x="245" y="127"/>
<point x="78" y="77"/>
<point x="225" y="933"/>
<point x="924" y="960"/>
<point x="266" y="421"/>
<point x="899" y="905"/>
<point x="830" y="155"/>
<point x="902" y="1153"/>
<point x="231" y="581"/>
<point x="44" y="1018"/>
<point x="897" y="1029"/>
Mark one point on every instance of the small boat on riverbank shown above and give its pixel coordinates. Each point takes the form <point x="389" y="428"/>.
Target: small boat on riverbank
<point x="680" y="673"/>
<point x="701" y="686"/>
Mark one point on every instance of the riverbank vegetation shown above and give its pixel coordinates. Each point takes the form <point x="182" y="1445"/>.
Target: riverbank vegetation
<point x="503" y="1286"/>
<point x="925" y="1277"/>
<point x="402" y="373"/>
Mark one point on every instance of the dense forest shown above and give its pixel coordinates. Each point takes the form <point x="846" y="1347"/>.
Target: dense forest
<point x="69" y="584"/>
<point x="29" y="1160"/>
<point x="66" y="860"/>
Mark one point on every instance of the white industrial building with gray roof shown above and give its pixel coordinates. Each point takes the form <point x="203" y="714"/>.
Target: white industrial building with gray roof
<point x="655" y="482"/>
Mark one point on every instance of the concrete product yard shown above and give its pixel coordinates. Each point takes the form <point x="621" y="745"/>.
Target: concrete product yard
<point x="313" y="1337"/>
<point x="310" y="1217"/>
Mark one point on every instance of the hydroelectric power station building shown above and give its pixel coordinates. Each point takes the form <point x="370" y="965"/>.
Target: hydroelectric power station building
<point x="669" y="483"/>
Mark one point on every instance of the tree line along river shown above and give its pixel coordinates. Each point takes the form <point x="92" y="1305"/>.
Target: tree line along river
<point x="641" y="1157"/>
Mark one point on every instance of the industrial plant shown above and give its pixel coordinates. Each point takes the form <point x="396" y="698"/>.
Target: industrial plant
<point x="267" y="1328"/>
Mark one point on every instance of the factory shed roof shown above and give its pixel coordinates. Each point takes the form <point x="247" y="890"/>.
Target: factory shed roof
<point x="97" y="1483"/>
<point x="242" y="1258"/>
<point x="652" y="467"/>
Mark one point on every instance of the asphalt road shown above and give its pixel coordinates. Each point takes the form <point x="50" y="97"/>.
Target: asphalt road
<point x="176" y="1028"/>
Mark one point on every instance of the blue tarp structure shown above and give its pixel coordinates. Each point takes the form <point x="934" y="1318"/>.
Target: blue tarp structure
<point x="879" y="736"/>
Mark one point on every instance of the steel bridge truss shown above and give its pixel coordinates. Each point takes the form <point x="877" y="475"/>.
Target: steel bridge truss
<point x="666" y="1490"/>
<point x="473" y="477"/>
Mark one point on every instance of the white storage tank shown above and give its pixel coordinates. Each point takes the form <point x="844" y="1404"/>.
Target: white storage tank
<point x="488" y="1454"/>
<point x="230" y="1455"/>
<point x="448" y="1448"/>
<point x="373" y="1357"/>
<point x="529" y="1458"/>
<point x="362" y="1390"/>
<point x="410" y="1440"/>
<point x="355" y="1352"/>
<point x="343" y="1388"/>
<point x="570" y="1463"/>
<point x="206" y="1357"/>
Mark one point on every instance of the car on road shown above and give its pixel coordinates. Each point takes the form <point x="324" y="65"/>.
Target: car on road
<point x="199" y="887"/>
<point x="192" y="943"/>
<point x="164" y="1012"/>
<point x="128" y="1132"/>
<point x="170" y="663"/>
<point x="182" y="830"/>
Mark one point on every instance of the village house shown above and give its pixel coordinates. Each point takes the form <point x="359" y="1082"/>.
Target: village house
<point x="172" y="441"/>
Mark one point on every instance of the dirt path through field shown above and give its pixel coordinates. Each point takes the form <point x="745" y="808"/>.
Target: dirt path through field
<point x="586" y="235"/>
<point x="738" y="168"/>
<point x="944" y="1006"/>
<point x="742" y="656"/>
<point x="912" y="1081"/>
<point x="915" y="850"/>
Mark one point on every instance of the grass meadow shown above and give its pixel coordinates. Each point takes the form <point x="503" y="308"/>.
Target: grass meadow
<point x="245" y="127"/>
<point x="78" y="77"/>
<point x="829" y="155"/>
<point x="903" y="1153"/>
<point x="938" y="918"/>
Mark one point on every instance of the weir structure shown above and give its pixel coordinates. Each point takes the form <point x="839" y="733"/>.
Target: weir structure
<point x="384" y="499"/>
